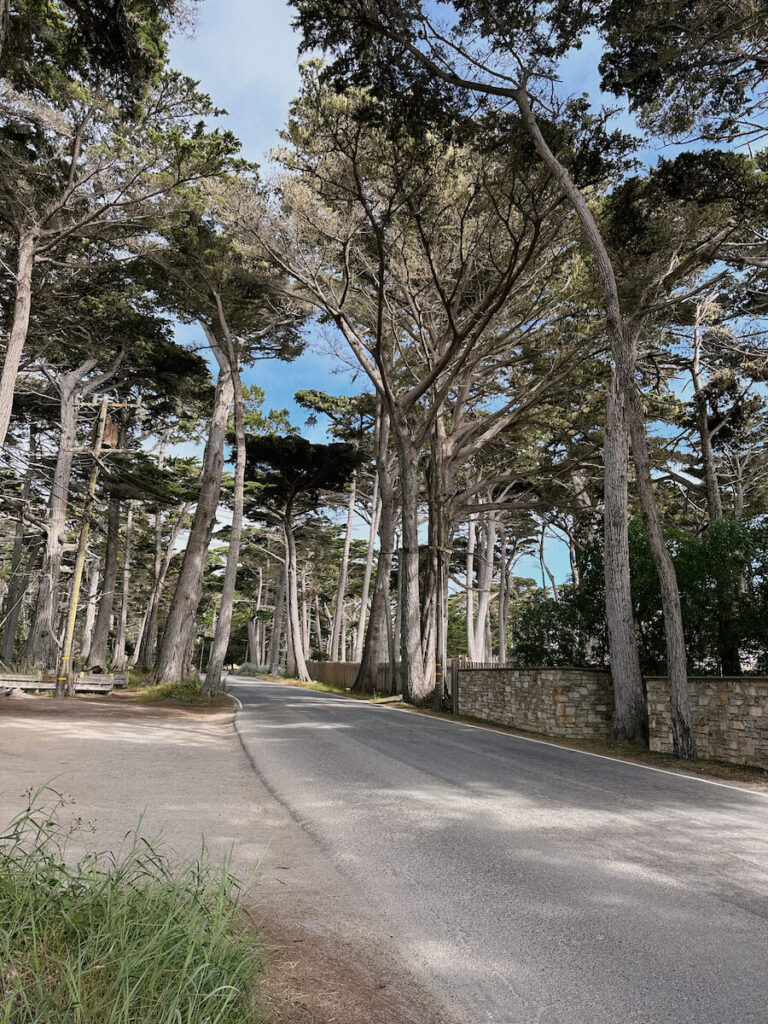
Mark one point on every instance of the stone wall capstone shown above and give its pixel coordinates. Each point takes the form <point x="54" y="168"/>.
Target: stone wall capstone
<point x="730" y="716"/>
<point x="553" y="701"/>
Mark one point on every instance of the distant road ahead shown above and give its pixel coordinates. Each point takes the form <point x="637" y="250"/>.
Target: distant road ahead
<point x="525" y="882"/>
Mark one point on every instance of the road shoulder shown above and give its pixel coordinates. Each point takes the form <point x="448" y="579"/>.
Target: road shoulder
<point x="183" y="772"/>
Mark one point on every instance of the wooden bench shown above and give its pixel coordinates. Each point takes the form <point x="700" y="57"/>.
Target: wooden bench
<point x="19" y="681"/>
<point x="93" y="683"/>
<point x="120" y="679"/>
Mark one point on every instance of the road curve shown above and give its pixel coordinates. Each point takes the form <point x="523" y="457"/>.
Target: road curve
<point x="521" y="881"/>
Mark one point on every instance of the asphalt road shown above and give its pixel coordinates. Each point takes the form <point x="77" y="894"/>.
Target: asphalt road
<point x="524" y="882"/>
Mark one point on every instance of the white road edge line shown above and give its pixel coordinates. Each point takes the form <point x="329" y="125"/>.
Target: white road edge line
<point x="525" y="739"/>
<point x="589" y="753"/>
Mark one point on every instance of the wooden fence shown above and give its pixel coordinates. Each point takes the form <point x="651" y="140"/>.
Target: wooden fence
<point x="344" y="673"/>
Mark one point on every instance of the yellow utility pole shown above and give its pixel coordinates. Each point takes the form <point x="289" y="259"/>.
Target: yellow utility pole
<point x="65" y="676"/>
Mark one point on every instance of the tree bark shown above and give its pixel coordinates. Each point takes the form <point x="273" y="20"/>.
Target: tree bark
<point x="180" y="624"/>
<point x="503" y="597"/>
<point x="296" y="650"/>
<point x="375" y="514"/>
<point x="119" y="655"/>
<point x="90" y="609"/>
<point x="378" y="645"/>
<point x="338" y="611"/>
<point x="98" y="656"/>
<point x="19" y="327"/>
<point x="162" y="563"/>
<point x="213" y="677"/>
<point x="415" y="688"/>
<point x="277" y="627"/>
<point x="485" y="579"/>
<point x="42" y="645"/>
<point x="19" y="580"/>
<point x="631" y="719"/>
<point x="677" y="668"/>
<point x="470" y="604"/>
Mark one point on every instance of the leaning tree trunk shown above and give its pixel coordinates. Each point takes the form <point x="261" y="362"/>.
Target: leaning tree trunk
<point x="214" y="682"/>
<point x="98" y="656"/>
<point x="631" y="718"/>
<point x="180" y="624"/>
<point x="622" y="350"/>
<point x="17" y="335"/>
<point x="677" y="667"/>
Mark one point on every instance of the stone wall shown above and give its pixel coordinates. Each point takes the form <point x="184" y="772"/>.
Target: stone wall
<point x="730" y="717"/>
<point x="553" y="701"/>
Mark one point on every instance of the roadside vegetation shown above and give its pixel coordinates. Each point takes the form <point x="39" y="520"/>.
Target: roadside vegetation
<point x="118" y="939"/>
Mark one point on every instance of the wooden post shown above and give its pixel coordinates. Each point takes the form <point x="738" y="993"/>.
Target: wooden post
<point x="455" y="686"/>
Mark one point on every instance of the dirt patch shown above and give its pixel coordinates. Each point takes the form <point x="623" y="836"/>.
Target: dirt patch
<point x="183" y="772"/>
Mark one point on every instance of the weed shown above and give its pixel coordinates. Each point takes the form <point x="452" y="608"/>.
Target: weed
<point x="118" y="940"/>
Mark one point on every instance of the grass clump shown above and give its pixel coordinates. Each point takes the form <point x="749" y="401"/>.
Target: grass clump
<point x="118" y="940"/>
<point x="188" y="691"/>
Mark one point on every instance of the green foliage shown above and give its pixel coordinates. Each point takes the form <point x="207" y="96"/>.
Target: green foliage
<point x="723" y="579"/>
<point x="290" y="470"/>
<point x="118" y="939"/>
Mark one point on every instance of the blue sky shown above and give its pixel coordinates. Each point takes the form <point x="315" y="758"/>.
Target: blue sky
<point x="245" y="55"/>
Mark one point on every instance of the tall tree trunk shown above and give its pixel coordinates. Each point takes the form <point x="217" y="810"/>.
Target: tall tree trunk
<point x="378" y="644"/>
<point x="485" y="579"/>
<point x="622" y="348"/>
<point x="19" y="327"/>
<point x="98" y="656"/>
<point x="277" y="627"/>
<point x="119" y="656"/>
<point x="42" y="646"/>
<point x="375" y="514"/>
<point x="415" y="687"/>
<point x="214" y="682"/>
<point x="90" y="608"/>
<point x="19" y="578"/>
<point x="503" y="597"/>
<point x="470" y="605"/>
<point x="180" y="624"/>
<point x="714" y="498"/>
<point x="343" y="572"/>
<point x="162" y="564"/>
<point x="677" y="668"/>
<point x="298" y="665"/>
<point x="631" y="719"/>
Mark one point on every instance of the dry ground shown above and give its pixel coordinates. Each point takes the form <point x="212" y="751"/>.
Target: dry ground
<point x="185" y="772"/>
